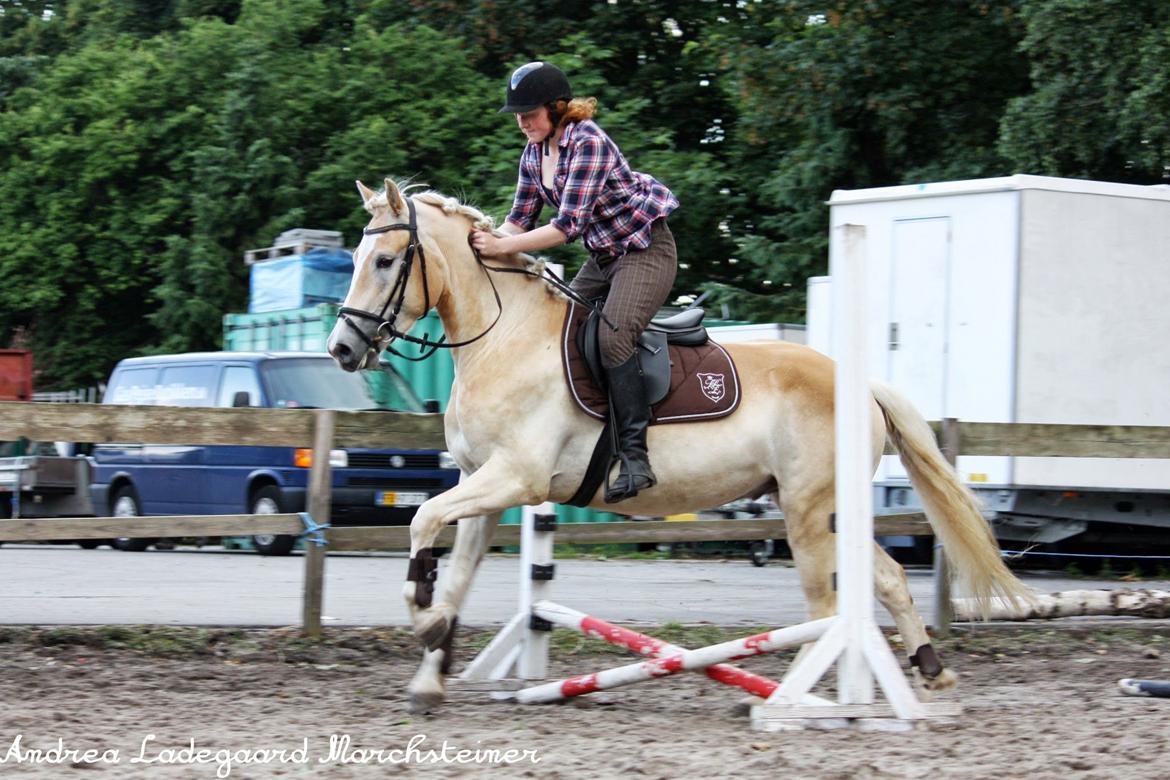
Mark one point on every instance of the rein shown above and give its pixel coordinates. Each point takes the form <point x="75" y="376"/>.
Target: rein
<point x="397" y="295"/>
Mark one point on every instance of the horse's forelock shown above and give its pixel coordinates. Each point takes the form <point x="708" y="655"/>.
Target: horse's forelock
<point x="375" y="202"/>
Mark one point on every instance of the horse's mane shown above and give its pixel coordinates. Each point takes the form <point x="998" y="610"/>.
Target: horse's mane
<point x="480" y="221"/>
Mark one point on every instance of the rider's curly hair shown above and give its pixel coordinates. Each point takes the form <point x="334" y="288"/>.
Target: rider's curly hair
<point x="574" y="110"/>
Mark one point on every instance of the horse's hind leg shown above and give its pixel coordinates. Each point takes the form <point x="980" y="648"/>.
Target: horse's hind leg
<point x="814" y="549"/>
<point x="893" y="592"/>
<point x="472" y="538"/>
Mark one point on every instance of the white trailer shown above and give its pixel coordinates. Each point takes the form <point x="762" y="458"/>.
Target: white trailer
<point x="1021" y="299"/>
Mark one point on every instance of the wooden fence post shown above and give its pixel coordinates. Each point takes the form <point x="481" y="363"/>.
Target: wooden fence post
<point x="319" y="500"/>
<point x="943" y="611"/>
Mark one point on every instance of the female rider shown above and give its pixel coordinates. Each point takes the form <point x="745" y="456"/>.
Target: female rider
<point x="620" y="214"/>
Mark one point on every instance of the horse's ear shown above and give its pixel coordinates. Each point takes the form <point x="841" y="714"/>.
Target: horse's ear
<point x="394" y="198"/>
<point x="366" y="193"/>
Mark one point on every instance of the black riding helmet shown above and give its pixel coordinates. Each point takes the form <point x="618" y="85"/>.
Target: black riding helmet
<point x="534" y="85"/>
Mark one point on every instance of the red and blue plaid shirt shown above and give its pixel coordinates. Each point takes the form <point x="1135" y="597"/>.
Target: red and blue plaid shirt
<point x="595" y="192"/>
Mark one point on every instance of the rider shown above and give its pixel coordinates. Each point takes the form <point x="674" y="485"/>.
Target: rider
<point x="573" y="166"/>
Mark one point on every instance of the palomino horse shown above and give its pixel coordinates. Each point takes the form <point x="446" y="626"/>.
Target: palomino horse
<point x="519" y="438"/>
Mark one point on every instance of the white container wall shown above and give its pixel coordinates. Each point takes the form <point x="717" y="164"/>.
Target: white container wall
<point x="1019" y="299"/>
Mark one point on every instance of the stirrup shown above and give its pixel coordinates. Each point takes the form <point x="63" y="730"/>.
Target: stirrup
<point x="613" y="495"/>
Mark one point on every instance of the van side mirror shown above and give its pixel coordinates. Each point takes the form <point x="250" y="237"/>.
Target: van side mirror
<point x="241" y="398"/>
<point x="431" y="406"/>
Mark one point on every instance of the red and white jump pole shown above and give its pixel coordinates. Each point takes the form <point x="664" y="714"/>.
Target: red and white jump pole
<point x="645" y="645"/>
<point x="687" y="660"/>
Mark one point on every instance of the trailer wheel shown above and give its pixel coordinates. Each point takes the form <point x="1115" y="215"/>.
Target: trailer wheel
<point x="759" y="554"/>
<point x="125" y="504"/>
<point x="266" y="501"/>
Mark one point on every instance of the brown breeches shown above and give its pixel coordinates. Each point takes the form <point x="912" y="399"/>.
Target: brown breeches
<point x="635" y="286"/>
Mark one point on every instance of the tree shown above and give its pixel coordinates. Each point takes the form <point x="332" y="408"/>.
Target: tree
<point x="851" y="94"/>
<point x="1098" y="109"/>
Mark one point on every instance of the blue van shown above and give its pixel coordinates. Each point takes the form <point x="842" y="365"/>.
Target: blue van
<point x="370" y="487"/>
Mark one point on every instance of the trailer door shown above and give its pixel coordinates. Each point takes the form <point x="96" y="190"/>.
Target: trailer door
<point x="917" y="328"/>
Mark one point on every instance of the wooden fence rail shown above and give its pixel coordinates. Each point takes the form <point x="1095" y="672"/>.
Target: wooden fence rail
<point x="101" y="423"/>
<point x="324" y="430"/>
<point x="106" y="423"/>
<point x="398" y="537"/>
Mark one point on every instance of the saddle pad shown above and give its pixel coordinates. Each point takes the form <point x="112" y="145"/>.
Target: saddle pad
<point x="703" y="381"/>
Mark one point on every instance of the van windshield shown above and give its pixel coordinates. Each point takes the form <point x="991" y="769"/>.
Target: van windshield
<point x="322" y="384"/>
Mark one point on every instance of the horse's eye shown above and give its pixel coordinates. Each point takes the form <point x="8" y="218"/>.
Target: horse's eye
<point x="384" y="261"/>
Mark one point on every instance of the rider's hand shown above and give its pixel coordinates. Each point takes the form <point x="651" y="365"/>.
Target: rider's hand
<point x="487" y="244"/>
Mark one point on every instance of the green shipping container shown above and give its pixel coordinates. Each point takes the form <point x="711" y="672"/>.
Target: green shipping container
<point x="567" y="514"/>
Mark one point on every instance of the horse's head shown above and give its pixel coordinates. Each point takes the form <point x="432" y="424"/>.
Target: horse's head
<point x="392" y="285"/>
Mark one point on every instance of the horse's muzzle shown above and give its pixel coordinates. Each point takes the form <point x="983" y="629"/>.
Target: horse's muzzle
<point x="347" y="357"/>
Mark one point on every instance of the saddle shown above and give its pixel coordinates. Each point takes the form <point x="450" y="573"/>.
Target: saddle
<point x="688" y="378"/>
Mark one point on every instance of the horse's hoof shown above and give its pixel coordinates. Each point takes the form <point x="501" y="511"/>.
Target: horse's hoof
<point x="425" y="702"/>
<point x="943" y="681"/>
<point x="432" y="626"/>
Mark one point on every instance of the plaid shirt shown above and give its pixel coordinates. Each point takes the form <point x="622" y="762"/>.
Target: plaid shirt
<point x="595" y="192"/>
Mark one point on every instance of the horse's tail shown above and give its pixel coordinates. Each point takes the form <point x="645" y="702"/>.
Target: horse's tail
<point x="952" y="509"/>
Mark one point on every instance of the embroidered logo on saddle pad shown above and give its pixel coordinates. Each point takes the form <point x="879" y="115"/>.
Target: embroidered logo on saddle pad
<point x="712" y="386"/>
<point x="703" y="381"/>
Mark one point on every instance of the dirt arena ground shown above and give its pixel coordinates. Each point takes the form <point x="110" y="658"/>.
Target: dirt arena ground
<point x="1039" y="702"/>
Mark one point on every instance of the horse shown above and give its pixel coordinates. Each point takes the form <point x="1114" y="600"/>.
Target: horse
<point x="519" y="439"/>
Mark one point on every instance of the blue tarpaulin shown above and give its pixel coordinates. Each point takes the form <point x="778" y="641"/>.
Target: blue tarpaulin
<point x="318" y="276"/>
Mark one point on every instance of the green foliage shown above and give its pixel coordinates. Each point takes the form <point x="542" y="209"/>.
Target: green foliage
<point x="1098" y="107"/>
<point x="856" y="94"/>
<point x="144" y="145"/>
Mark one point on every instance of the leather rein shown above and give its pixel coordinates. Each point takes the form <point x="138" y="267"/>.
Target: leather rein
<point x="396" y="298"/>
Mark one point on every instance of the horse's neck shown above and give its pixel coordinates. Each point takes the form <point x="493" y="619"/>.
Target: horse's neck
<point x="528" y="314"/>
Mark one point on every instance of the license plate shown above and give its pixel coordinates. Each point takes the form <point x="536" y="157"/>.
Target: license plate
<point x="399" y="498"/>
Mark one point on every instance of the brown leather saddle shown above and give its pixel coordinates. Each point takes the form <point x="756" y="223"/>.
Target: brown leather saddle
<point x="688" y="377"/>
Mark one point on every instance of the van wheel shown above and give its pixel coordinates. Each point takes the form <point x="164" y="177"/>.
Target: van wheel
<point x="266" y="501"/>
<point x="125" y="504"/>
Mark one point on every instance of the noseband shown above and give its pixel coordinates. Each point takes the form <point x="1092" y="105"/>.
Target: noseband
<point x="397" y="296"/>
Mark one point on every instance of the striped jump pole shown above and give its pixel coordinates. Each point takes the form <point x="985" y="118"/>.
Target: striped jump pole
<point x="647" y="645"/>
<point x="1157" y="688"/>
<point x="687" y="660"/>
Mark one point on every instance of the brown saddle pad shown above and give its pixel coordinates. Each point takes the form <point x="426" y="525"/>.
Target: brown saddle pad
<point x="703" y="381"/>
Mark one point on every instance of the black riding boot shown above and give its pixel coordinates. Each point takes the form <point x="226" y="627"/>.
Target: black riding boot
<point x="630" y="414"/>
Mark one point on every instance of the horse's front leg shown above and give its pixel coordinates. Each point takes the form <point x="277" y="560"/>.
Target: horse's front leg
<point x="486" y="493"/>
<point x="472" y="539"/>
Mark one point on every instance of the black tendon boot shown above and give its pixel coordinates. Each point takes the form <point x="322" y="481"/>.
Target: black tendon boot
<point x="630" y="414"/>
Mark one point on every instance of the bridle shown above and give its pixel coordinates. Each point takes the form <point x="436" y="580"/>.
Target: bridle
<point x="386" y="325"/>
<point x="397" y="296"/>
